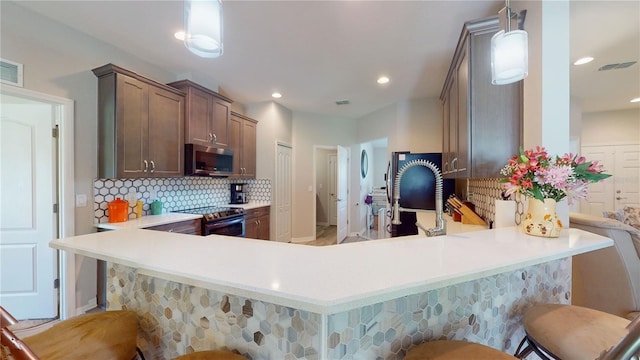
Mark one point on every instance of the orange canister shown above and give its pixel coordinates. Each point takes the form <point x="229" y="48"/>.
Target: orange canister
<point x="118" y="211"/>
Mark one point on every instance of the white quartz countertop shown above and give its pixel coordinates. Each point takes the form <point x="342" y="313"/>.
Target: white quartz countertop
<point x="328" y="279"/>
<point x="166" y="218"/>
<point x="148" y="221"/>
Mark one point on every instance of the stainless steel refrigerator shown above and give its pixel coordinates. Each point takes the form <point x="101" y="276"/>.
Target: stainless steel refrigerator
<point x="417" y="189"/>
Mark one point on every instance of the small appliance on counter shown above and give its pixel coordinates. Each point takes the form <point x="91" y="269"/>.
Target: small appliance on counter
<point x="238" y="196"/>
<point x="118" y="210"/>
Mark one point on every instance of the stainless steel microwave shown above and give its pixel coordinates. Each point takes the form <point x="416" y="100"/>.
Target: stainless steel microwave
<point x="207" y="161"/>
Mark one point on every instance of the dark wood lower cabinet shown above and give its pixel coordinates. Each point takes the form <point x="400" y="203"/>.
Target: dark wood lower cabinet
<point x="193" y="227"/>
<point x="257" y="223"/>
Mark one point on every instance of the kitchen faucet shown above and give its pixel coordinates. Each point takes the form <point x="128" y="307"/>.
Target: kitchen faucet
<point x="441" y="226"/>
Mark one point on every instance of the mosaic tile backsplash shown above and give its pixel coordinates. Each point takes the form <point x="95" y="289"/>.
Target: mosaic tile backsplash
<point x="177" y="319"/>
<point x="483" y="193"/>
<point x="175" y="193"/>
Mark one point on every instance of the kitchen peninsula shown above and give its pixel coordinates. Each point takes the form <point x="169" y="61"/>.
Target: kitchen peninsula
<point x="271" y="300"/>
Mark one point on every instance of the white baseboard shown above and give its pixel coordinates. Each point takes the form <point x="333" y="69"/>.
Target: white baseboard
<point x="91" y="304"/>
<point x="302" y="239"/>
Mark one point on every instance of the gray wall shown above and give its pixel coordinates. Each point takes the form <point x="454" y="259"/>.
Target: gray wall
<point x="58" y="61"/>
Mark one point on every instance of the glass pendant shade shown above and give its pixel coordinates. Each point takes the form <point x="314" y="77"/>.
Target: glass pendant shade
<point x="509" y="57"/>
<point x="203" y="27"/>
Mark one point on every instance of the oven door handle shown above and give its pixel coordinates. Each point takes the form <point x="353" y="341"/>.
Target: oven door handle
<point x="225" y="223"/>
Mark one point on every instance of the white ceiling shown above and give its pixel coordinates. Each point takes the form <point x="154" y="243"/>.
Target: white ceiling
<point x="318" y="52"/>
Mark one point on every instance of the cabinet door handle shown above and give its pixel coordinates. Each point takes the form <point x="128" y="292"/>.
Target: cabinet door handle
<point x="153" y="166"/>
<point x="146" y="165"/>
<point x="620" y="198"/>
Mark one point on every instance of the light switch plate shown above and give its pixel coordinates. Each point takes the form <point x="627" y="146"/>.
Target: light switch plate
<point x="81" y="200"/>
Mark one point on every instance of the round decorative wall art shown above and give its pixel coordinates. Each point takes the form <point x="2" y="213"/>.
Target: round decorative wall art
<point x="364" y="163"/>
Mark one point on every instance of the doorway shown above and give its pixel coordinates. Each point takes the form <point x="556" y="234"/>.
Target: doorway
<point x="325" y="158"/>
<point x="36" y="156"/>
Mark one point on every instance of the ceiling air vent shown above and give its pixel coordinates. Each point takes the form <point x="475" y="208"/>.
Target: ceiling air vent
<point x="616" y="66"/>
<point x="10" y="72"/>
<point x="343" y="102"/>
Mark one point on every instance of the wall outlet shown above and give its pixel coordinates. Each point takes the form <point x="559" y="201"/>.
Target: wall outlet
<point x="81" y="200"/>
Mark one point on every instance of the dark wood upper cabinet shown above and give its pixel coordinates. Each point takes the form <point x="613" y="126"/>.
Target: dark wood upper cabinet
<point x="207" y="115"/>
<point x="242" y="140"/>
<point x="140" y="126"/>
<point x="482" y="122"/>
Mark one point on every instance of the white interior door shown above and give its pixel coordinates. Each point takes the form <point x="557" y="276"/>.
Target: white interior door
<point x="342" y="191"/>
<point x="621" y="189"/>
<point x="600" y="194"/>
<point x="27" y="219"/>
<point x="333" y="188"/>
<point x="627" y="176"/>
<point x="283" y="187"/>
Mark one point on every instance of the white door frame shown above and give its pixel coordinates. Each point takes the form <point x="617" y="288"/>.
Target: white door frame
<point x="333" y="181"/>
<point x="64" y="114"/>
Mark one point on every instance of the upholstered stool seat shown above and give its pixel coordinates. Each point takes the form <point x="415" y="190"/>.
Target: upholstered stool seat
<point x="104" y="335"/>
<point x="455" y="349"/>
<point x="571" y="332"/>
<point x="211" y="355"/>
<point x="107" y="335"/>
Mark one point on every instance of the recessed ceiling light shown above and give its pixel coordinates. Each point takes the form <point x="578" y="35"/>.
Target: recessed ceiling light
<point x="276" y="95"/>
<point x="383" y="80"/>
<point x="635" y="100"/>
<point x="179" y="35"/>
<point x="584" y="60"/>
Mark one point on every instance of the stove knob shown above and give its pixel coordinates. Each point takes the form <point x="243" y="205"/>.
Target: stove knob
<point x="216" y="215"/>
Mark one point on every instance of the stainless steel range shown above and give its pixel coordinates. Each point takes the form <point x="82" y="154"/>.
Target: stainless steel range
<point x="220" y="220"/>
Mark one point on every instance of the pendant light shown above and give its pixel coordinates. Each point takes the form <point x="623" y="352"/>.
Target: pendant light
<point x="509" y="53"/>
<point x="203" y="27"/>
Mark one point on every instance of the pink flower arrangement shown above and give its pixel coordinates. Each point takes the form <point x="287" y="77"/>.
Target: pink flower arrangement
<point x="535" y="174"/>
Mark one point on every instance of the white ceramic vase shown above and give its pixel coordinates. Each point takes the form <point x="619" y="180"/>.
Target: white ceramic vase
<point x="541" y="219"/>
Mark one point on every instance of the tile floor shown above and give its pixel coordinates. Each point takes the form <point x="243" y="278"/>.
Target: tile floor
<point x="326" y="235"/>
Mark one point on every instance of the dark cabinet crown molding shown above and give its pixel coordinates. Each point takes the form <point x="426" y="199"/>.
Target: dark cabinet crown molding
<point x="110" y="68"/>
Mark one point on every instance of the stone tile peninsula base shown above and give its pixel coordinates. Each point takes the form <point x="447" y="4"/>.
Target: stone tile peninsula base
<point x="177" y="318"/>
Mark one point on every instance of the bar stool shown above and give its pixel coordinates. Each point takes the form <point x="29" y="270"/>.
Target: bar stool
<point x="211" y="355"/>
<point x="569" y="332"/>
<point x="107" y="335"/>
<point x="455" y="349"/>
<point x="627" y="347"/>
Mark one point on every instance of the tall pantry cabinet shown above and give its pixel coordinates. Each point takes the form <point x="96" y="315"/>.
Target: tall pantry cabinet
<point x="140" y="126"/>
<point x="482" y="122"/>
